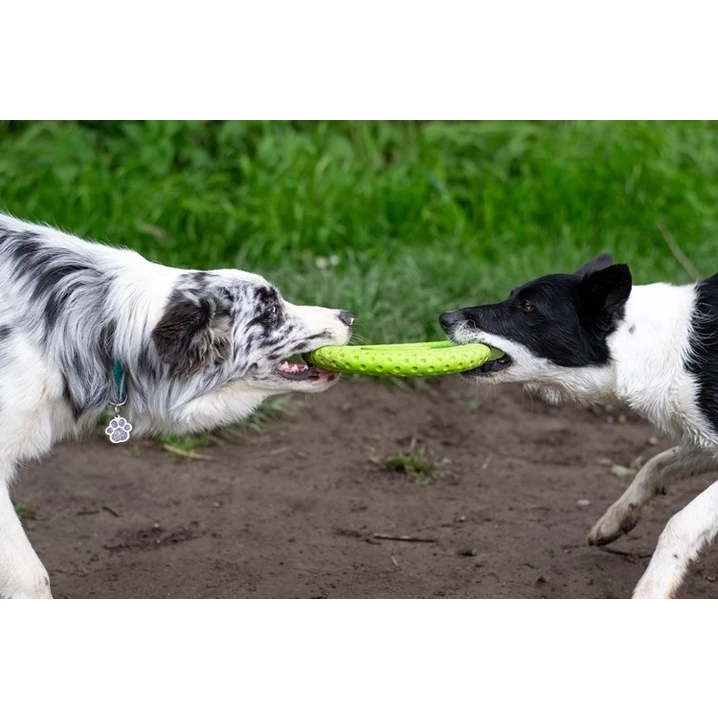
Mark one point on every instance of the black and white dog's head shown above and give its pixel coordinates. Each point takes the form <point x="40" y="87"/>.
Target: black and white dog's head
<point x="233" y="325"/>
<point x="554" y="329"/>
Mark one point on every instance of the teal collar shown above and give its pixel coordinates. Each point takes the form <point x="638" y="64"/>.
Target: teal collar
<point x="118" y="374"/>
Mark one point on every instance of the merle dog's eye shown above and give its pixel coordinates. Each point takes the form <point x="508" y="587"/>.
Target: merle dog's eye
<point x="272" y="313"/>
<point x="527" y="306"/>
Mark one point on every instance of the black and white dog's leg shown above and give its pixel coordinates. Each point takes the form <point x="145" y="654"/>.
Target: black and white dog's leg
<point x="22" y="574"/>
<point x="679" y="544"/>
<point x="654" y="478"/>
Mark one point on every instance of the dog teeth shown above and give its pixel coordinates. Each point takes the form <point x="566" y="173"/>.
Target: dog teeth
<point x="292" y="368"/>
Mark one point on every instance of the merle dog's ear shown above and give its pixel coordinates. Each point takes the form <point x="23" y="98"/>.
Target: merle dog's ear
<point x="193" y="333"/>
<point x="603" y="261"/>
<point x="604" y="293"/>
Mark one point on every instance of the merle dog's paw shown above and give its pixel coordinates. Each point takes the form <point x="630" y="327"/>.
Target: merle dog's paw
<point x="118" y="430"/>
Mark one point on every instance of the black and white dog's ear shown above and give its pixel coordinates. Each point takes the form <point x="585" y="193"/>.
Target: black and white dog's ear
<point x="602" y="261"/>
<point x="193" y="333"/>
<point x="605" y="292"/>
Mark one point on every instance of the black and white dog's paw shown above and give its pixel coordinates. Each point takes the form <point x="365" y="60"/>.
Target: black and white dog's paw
<point x="618" y="520"/>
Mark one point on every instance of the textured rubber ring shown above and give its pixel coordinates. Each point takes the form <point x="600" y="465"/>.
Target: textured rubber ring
<point x="421" y="359"/>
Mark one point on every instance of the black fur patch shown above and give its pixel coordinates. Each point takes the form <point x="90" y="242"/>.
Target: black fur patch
<point x="67" y="396"/>
<point x="704" y="348"/>
<point x="199" y="279"/>
<point x="5" y="332"/>
<point x="185" y="338"/>
<point x="269" y="315"/>
<point x="267" y="296"/>
<point x="23" y="246"/>
<point x="565" y="318"/>
<point x="51" y="275"/>
<point x="602" y="261"/>
<point x="147" y="365"/>
<point x="106" y="342"/>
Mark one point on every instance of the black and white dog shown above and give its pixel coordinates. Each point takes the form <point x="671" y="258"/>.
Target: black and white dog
<point x="591" y="336"/>
<point x="84" y="326"/>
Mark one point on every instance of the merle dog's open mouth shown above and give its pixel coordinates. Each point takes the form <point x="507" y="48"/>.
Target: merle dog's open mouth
<point x="301" y="369"/>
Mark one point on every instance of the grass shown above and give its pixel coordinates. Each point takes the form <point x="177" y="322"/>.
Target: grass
<point x="24" y="512"/>
<point x="397" y="221"/>
<point x="259" y="422"/>
<point x="273" y="408"/>
<point x="414" y="463"/>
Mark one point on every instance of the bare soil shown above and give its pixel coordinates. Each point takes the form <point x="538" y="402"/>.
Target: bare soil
<point x="307" y="509"/>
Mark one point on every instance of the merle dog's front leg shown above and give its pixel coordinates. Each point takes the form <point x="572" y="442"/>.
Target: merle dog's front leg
<point x="22" y="574"/>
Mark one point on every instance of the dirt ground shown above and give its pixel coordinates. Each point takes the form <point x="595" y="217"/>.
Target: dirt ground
<point x="295" y="512"/>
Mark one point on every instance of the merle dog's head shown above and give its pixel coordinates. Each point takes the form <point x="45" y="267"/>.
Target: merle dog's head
<point x="552" y="323"/>
<point x="228" y="325"/>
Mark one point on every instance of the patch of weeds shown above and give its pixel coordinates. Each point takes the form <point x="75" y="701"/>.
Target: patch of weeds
<point x="187" y="444"/>
<point x="416" y="463"/>
<point x="472" y="405"/>
<point x="25" y="513"/>
<point x="270" y="411"/>
<point x="259" y="422"/>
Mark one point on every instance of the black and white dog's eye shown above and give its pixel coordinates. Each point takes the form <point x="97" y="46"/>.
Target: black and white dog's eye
<point x="527" y="306"/>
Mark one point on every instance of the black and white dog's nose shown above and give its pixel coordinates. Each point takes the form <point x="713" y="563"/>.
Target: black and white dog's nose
<point x="448" y="319"/>
<point x="347" y="318"/>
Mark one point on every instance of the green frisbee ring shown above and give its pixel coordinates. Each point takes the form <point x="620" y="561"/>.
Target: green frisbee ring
<point x="421" y="359"/>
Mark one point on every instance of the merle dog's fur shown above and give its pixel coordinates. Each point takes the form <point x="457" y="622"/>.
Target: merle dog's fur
<point x="592" y="336"/>
<point x="199" y="349"/>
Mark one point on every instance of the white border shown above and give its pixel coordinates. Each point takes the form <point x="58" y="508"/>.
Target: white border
<point x="356" y="60"/>
<point x="355" y="658"/>
<point x="390" y="60"/>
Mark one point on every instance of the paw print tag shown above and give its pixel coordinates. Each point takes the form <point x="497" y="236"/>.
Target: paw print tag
<point x="119" y="430"/>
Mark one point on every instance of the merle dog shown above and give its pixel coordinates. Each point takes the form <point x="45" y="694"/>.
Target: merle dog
<point x="84" y="326"/>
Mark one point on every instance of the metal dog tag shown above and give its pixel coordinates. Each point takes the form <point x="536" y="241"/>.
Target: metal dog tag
<point x="119" y="429"/>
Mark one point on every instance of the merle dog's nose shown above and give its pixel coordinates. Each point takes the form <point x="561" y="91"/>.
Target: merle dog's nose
<point x="448" y="319"/>
<point x="347" y="318"/>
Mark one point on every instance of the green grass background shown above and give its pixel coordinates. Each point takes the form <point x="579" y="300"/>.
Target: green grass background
<point x="396" y="221"/>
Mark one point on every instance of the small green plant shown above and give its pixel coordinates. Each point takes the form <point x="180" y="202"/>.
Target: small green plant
<point x="25" y="512"/>
<point x="270" y="411"/>
<point x="186" y="446"/>
<point x="415" y="463"/>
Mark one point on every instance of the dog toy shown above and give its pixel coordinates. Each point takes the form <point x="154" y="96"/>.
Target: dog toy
<point x="421" y="359"/>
